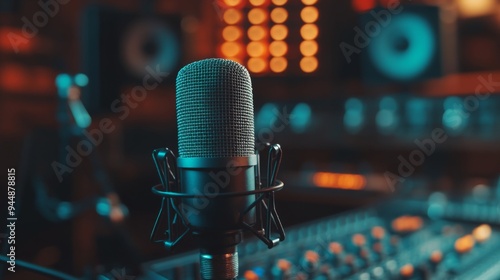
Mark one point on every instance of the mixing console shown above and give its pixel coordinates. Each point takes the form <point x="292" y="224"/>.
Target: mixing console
<point x="393" y="241"/>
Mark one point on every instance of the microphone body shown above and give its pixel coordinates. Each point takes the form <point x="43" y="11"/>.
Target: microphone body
<point x="215" y="189"/>
<point x="215" y="121"/>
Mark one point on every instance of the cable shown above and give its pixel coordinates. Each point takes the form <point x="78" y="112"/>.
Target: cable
<point x="40" y="269"/>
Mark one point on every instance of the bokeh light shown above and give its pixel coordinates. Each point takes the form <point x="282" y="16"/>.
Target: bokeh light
<point x="257" y="2"/>
<point x="278" y="64"/>
<point x="279" y="15"/>
<point x="232" y="3"/>
<point x="309" y="2"/>
<point x="256" y="64"/>
<point x="278" y="48"/>
<point x="309" y="31"/>
<point x="255" y="49"/>
<point x="230" y="49"/>
<point x="309" y="64"/>
<point x="279" y="2"/>
<point x="257" y="16"/>
<point x="309" y="14"/>
<point x="279" y="32"/>
<point x="256" y="33"/>
<point x="232" y="16"/>
<point x="231" y="33"/>
<point x="308" y="48"/>
<point x="362" y="6"/>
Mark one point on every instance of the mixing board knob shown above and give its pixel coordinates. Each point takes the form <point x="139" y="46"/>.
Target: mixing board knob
<point x="335" y="253"/>
<point x="250" y="275"/>
<point x="310" y="261"/>
<point x="406" y="271"/>
<point x="378" y="233"/>
<point x="407" y="224"/>
<point x="282" y="269"/>
<point x="436" y="257"/>
<point x="464" y="244"/>
<point x="359" y="240"/>
<point x="482" y="233"/>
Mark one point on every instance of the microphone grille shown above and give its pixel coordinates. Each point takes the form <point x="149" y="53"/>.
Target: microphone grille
<point x="214" y="107"/>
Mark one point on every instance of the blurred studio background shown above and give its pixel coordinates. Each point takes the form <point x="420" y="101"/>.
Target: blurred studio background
<point x="370" y="100"/>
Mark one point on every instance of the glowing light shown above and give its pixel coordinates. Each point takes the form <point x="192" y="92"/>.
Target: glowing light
<point x="464" y="244"/>
<point x="416" y="111"/>
<point x="378" y="232"/>
<point x="256" y="33"/>
<point x="279" y="2"/>
<point x="279" y="32"/>
<point x="278" y="64"/>
<point x="250" y="275"/>
<point x="232" y="3"/>
<point x="311" y="256"/>
<point x="278" y="48"/>
<point x="482" y="233"/>
<point x="309" y="2"/>
<point x="385" y="119"/>
<point x="279" y="15"/>
<point x="257" y="16"/>
<point x="231" y="33"/>
<point x="63" y="81"/>
<point x="475" y="8"/>
<point x="9" y="38"/>
<point x="267" y="116"/>
<point x="230" y="49"/>
<point x="232" y="16"/>
<point x="335" y="248"/>
<point x="339" y="180"/>
<point x="256" y="64"/>
<point x="309" y="14"/>
<point x="358" y="240"/>
<point x="80" y="114"/>
<point x="415" y="58"/>
<point x="406" y="270"/>
<point x="64" y="210"/>
<point x="257" y="2"/>
<point x="309" y="64"/>
<point x="362" y="6"/>
<point x="308" y="48"/>
<point x="103" y="207"/>
<point x="255" y="49"/>
<point x="436" y="256"/>
<point x="407" y="223"/>
<point x="353" y="116"/>
<point x="301" y="117"/>
<point x="81" y="80"/>
<point x="309" y="31"/>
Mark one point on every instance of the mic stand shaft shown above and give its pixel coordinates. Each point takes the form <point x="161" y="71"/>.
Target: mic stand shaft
<point x="219" y="256"/>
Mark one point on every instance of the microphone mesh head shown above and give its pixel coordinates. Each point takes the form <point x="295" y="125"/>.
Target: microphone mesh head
<point x="214" y="110"/>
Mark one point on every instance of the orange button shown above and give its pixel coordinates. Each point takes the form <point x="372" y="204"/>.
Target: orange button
<point x="464" y="244"/>
<point x="407" y="224"/>
<point x="250" y="275"/>
<point x="283" y="265"/>
<point x="358" y="239"/>
<point x="482" y="233"/>
<point x="378" y="232"/>
<point x="406" y="270"/>
<point x="436" y="256"/>
<point x="311" y="256"/>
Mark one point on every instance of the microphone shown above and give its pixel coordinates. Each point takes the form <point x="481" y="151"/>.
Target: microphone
<point x="215" y="188"/>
